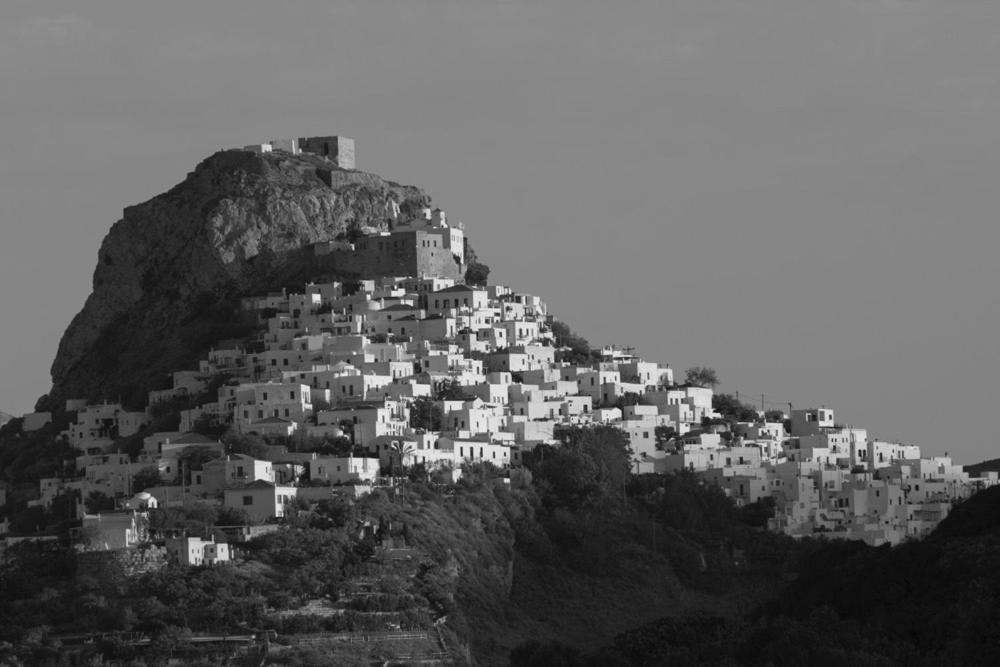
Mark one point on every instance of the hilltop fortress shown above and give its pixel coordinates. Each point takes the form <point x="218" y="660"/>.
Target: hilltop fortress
<point x="340" y="150"/>
<point x="422" y="245"/>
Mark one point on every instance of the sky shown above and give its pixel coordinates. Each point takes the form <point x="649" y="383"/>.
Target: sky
<point x="800" y="194"/>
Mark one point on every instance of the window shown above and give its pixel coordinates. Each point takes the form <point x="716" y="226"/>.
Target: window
<point x="248" y="500"/>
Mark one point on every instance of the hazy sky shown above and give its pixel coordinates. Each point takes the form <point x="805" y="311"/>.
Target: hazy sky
<point x="799" y="193"/>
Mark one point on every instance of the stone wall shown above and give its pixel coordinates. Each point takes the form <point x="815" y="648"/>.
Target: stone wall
<point x="112" y="567"/>
<point x="400" y="254"/>
<point x="338" y="149"/>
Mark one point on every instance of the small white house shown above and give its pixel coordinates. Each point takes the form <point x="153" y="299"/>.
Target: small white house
<point x="261" y="500"/>
<point x="196" y="551"/>
<point x="346" y="469"/>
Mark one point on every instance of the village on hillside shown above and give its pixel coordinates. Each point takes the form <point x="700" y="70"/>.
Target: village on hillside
<point x="355" y="384"/>
<point x="426" y="371"/>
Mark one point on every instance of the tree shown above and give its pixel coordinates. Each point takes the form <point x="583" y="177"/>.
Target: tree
<point x="451" y="391"/>
<point x="663" y="435"/>
<point x="233" y="516"/>
<point x="98" y="502"/>
<point x="757" y="513"/>
<point x="730" y="408"/>
<point x="350" y="287"/>
<point x="319" y="405"/>
<point x="627" y="399"/>
<point x="340" y="446"/>
<point x="592" y="464"/>
<point x="477" y="273"/>
<point x="398" y="453"/>
<point x="334" y="512"/>
<point x="63" y="506"/>
<point x="425" y="413"/>
<point x="145" y="478"/>
<point x="209" y="426"/>
<point x="534" y="653"/>
<point x="774" y="416"/>
<point x="419" y="472"/>
<point x="248" y="444"/>
<point x="194" y="458"/>
<point x="701" y="377"/>
<point x="579" y="348"/>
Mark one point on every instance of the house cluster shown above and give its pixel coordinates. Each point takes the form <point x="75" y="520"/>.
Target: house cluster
<point x="829" y="479"/>
<point x="362" y="360"/>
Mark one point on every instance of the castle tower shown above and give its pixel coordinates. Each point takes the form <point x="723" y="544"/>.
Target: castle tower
<point x="338" y="149"/>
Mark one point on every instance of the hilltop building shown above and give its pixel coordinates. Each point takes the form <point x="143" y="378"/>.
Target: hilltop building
<point x="339" y="150"/>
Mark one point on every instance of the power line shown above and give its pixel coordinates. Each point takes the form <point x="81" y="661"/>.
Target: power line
<point x="762" y="401"/>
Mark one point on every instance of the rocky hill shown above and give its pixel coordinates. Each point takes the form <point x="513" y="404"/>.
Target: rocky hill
<point x="169" y="272"/>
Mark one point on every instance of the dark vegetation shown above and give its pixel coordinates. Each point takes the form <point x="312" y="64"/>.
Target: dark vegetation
<point x="477" y="273"/>
<point x="570" y="347"/>
<point x="701" y="376"/>
<point x="993" y="465"/>
<point x="732" y="409"/>
<point x="425" y="413"/>
<point x="574" y="562"/>
<point x="923" y="603"/>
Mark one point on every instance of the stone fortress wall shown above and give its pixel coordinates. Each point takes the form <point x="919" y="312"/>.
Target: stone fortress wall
<point x="340" y="150"/>
<point x="424" y="246"/>
<point x="402" y="253"/>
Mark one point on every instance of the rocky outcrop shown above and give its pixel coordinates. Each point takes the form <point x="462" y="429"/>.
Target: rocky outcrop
<point x="170" y="272"/>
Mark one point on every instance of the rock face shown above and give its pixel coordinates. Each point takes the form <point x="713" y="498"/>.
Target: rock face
<point x="169" y="274"/>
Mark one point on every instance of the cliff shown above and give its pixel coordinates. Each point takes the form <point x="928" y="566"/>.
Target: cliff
<point x="170" y="272"/>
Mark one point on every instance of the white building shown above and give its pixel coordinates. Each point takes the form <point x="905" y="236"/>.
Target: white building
<point x="196" y="551"/>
